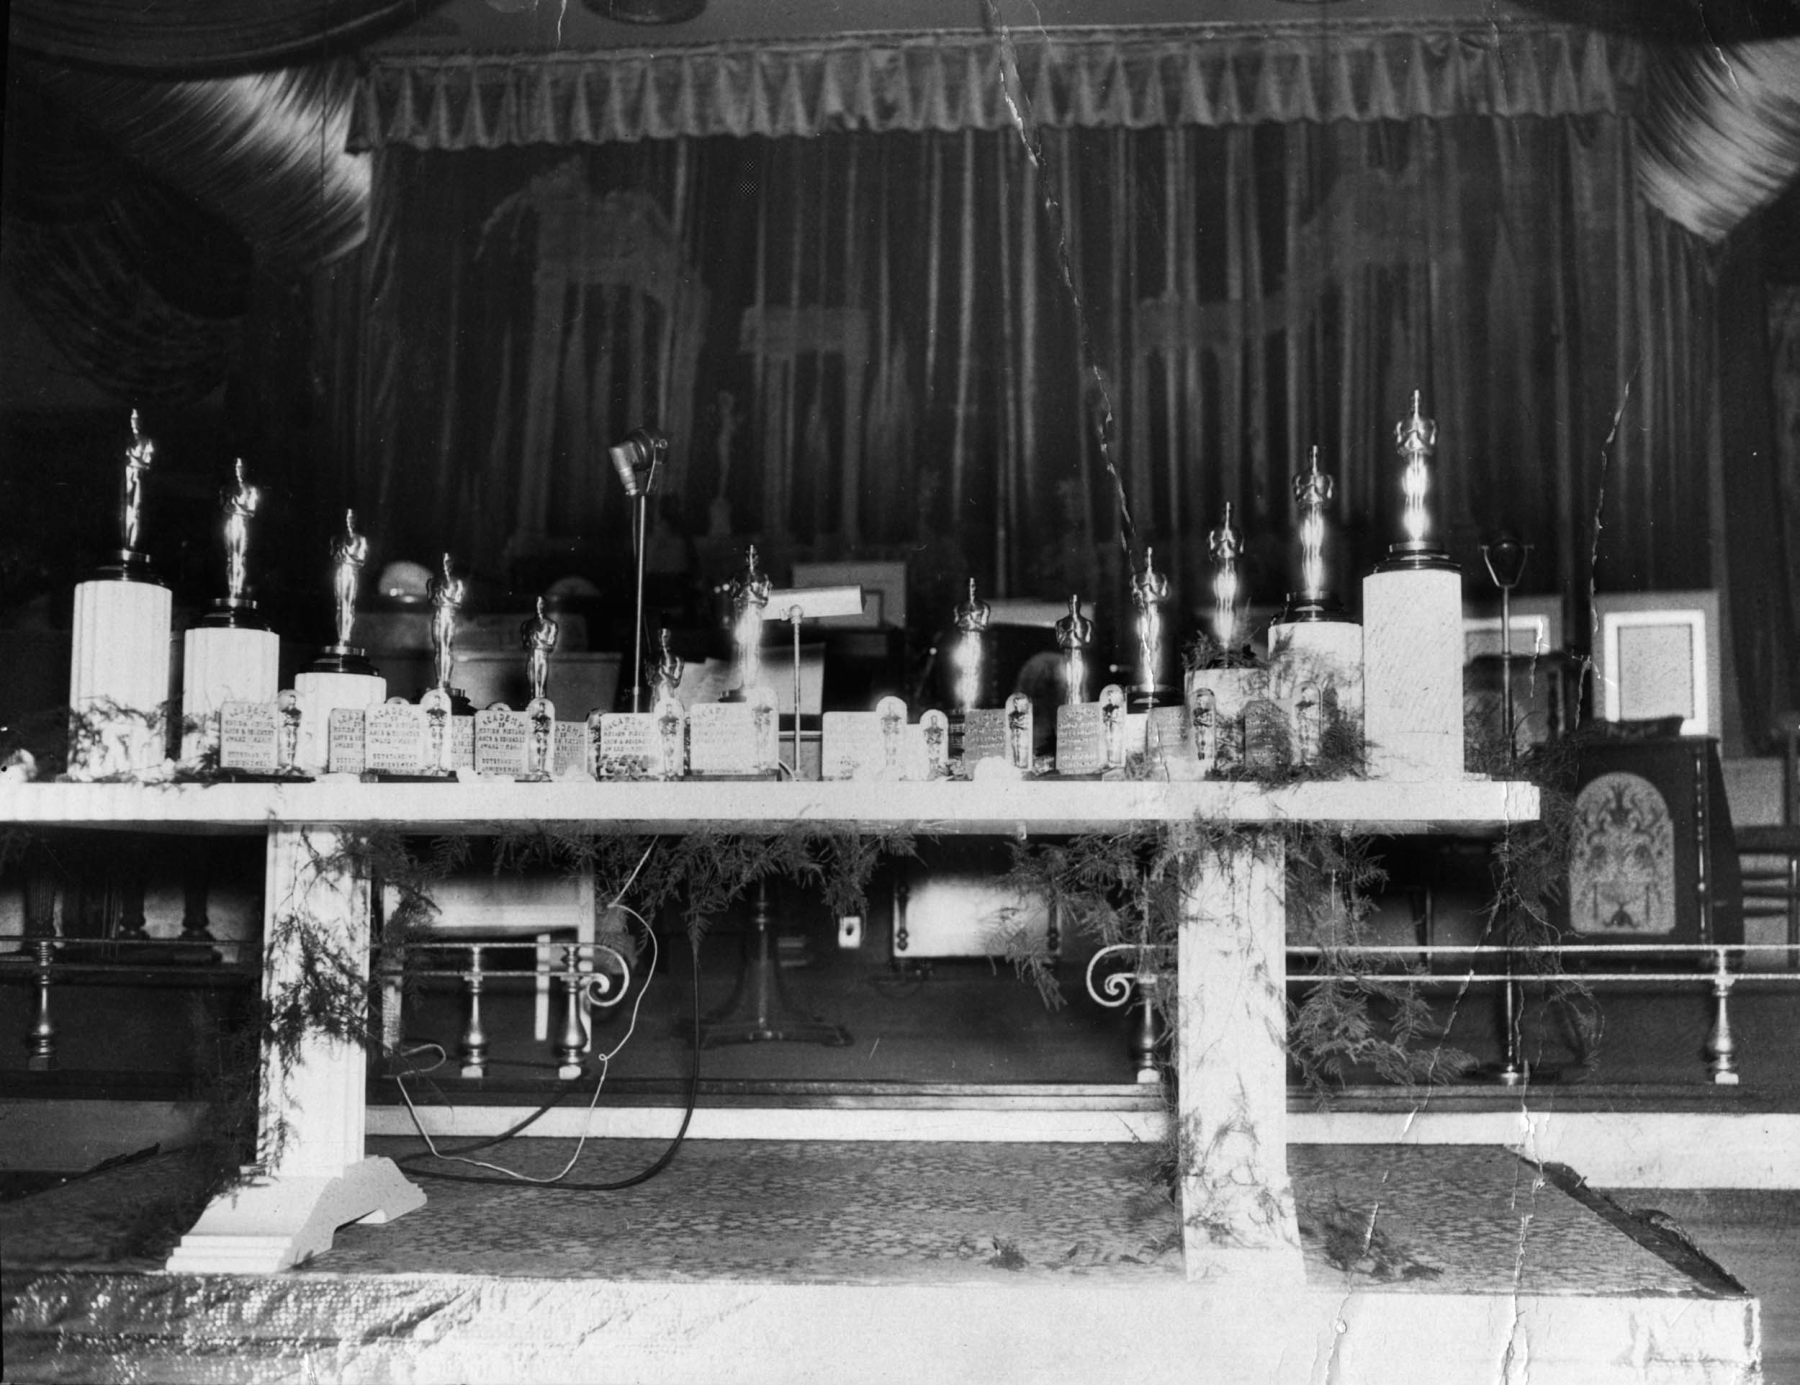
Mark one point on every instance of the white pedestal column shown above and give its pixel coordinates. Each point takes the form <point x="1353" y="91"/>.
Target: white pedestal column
<point x="1322" y="655"/>
<point x="311" y="1126"/>
<point x="119" y="661"/>
<point x="320" y="694"/>
<point x="1413" y="673"/>
<point x="1237" y="1206"/>
<point x="223" y="663"/>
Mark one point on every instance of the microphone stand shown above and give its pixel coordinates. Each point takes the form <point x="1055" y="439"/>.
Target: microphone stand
<point x="638" y="460"/>
<point x="1504" y="555"/>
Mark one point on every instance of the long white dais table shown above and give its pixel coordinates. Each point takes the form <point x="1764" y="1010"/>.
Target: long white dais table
<point x="1237" y="1204"/>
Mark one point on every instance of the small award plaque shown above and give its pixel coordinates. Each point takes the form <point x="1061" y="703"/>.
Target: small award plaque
<point x="287" y="747"/>
<point x="501" y="737"/>
<point x="1018" y="732"/>
<point x="934" y="731"/>
<point x="851" y="745"/>
<point x="1080" y="746"/>
<point x="765" y="727"/>
<point x="671" y="736"/>
<point x="540" y="721"/>
<point x="249" y="737"/>
<point x="345" y="753"/>
<point x="462" y="742"/>
<point x="1203" y="720"/>
<point x="568" y="757"/>
<point x="984" y="734"/>
<point x="591" y="751"/>
<point x="890" y="714"/>
<point x="394" y="738"/>
<point x="629" y="748"/>
<point x="1113" y="731"/>
<point x="1268" y="741"/>
<point x="1168" y="734"/>
<point x="722" y="738"/>
<point x="440" y="750"/>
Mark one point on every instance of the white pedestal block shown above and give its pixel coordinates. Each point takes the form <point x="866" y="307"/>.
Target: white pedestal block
<point x="320" y="694"/>
<point x="1413" y="673"/>
<point x="120" y="659"/>
<point x="222" y="663"/>
<point x="1322" y="654"/>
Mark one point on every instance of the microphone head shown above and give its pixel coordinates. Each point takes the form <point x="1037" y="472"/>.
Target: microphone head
<point x="638" y="460"/>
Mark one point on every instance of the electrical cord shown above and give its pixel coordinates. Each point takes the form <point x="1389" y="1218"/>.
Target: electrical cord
<point x="410" y="1162"/>
<point x="514" y="1179"/>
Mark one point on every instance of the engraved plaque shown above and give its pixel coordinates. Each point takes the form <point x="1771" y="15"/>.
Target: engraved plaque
<point x="501" y="740"/>
<point x="934" y="735"/>
<point x="1113" y="730"/>
<point x="722" y="738"/>
<point x="984" y="734"/>
<point x="852" y="743"/>
<point x="765" y="728"/>
<point x="438" y="749"/>
<point x="344" y="748"/>
<point x="629" y="747"/>
<point x="540" y="741"/>
<point x="671" y="734"/>
<point x="1168" y="735"/>
<point x="462" y="742"/>
<point x="569" y="757"/>
<point x="1019" y="732"/>
<point x="394" y="738"/>
<point x="1080" y="744"/>
<point x="890" y="714"/>
<point x="250" y="737"/>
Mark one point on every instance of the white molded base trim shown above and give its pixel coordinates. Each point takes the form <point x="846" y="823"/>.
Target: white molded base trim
<point x="278" y="1222"/>
<point x="1609" y="1149"/>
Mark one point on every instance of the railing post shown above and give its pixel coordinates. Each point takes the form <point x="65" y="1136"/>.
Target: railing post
<point x="40" y="1039"/>
<point x="1721" y="1048"/>
<point x="574" y="1032"/>
<point x="474" y="1037"/>
<point x="1146" y="1031"/>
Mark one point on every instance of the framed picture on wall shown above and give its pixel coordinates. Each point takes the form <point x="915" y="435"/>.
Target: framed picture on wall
<point x="1537" y="627"/>
<point x="1657" y="656"/>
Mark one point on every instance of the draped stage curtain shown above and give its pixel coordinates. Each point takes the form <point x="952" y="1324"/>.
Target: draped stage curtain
<point x="920" y="331"/>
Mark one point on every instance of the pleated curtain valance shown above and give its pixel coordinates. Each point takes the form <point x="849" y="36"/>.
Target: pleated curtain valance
<point x="1135" y="79"/>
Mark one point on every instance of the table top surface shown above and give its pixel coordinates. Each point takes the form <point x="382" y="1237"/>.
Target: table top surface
<point x="1041" y="807"/>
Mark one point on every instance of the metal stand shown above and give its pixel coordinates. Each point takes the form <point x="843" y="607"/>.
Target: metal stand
<point x="637" y="655"/>
<point x="770" y="1017"/>
<point x="1505" y="558"/>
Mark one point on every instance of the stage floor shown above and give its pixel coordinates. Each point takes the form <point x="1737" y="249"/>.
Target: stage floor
<point x="795" y="1261"/>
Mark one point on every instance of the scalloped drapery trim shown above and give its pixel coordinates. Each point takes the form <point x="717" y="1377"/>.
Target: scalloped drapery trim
<point x="1134" y="79"/>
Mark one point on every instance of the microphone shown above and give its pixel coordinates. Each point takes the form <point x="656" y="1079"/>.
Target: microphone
<point x="639" y="460"/>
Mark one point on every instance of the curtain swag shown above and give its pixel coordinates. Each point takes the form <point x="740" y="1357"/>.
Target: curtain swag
<point x="202" y="37"/>
<point x="947" y="82"/>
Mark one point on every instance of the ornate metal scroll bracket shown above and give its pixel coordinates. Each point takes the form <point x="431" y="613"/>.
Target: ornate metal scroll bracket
<point x="1134" y="985"/>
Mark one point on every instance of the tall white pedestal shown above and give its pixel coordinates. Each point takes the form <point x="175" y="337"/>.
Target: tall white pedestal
<point x="220" y="664"/>
<point x="119" y="663"/>
<point x="1308" y="660"/>
<point x="320" y="694"/>
<point x="1413" y="673"/>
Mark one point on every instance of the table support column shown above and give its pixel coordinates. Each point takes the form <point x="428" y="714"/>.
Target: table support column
<point x="1237" y="1206"/>
<point x="311" y="1123"/>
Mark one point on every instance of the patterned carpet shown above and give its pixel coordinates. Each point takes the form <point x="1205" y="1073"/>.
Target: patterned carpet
<point x="1395" y="1218"/>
